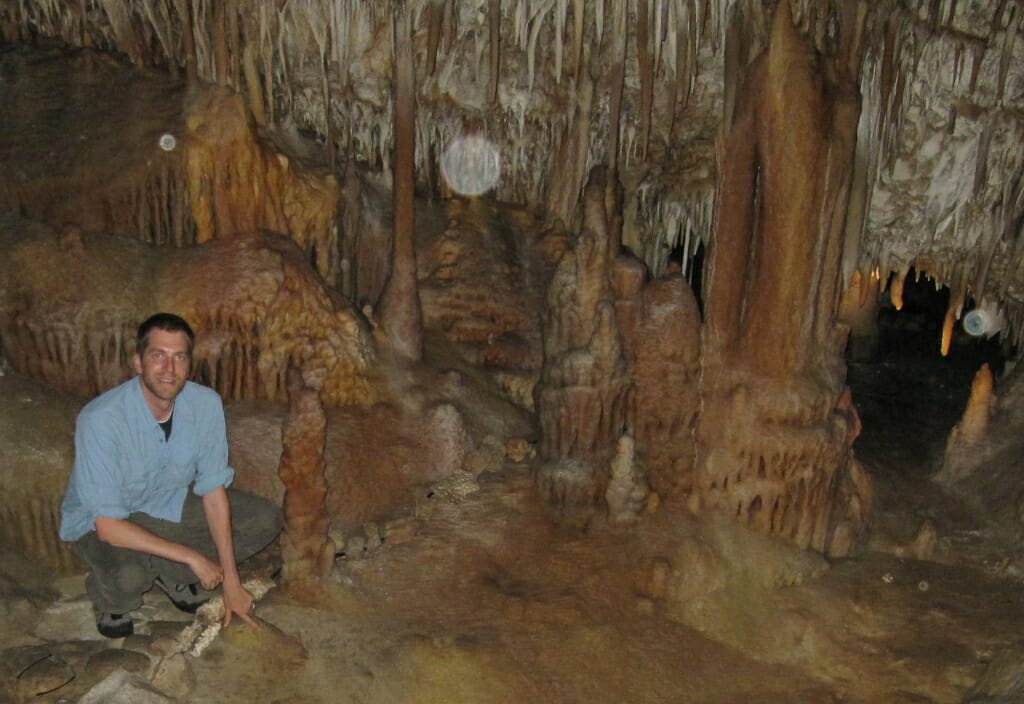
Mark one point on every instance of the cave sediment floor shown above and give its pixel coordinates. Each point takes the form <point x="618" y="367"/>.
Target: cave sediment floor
<point x="492" y="601"/>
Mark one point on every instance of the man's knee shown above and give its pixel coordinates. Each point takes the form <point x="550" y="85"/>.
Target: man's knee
<point x="131" y="578"/>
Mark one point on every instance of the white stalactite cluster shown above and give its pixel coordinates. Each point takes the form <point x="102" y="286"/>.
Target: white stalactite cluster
<point x="940" y="134"/>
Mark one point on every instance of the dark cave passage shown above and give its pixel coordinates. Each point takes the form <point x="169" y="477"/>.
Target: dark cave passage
<point x="907" y="394"/>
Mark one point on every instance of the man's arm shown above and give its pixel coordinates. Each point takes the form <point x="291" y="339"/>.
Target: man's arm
<point x="124" y="534"/>
<point x="218" y="517"/>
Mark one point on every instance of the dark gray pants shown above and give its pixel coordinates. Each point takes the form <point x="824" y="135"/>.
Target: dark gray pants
<point x="119" y="577"/>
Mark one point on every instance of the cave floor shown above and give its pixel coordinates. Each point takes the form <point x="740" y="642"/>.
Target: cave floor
<point x="491" y="601"/>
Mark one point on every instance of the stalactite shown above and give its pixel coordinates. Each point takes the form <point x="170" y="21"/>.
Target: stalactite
<point x="271" y="50"/>
<point x="220" y="43"/>
<point x="957" y="297"/>
<point x="30" y="525"/>
<point x="227" y="284"/>
<point x="121" y="24"/>
<point x="399" y="309"/>
<point x="617" y="77"/>
<point x="536" y="24"/>
<point x="578" y="18"/>
<point x="494" y="20"/>
<point x="673" y="218"/>
<point x="253" y="86"/>
<point x="435" y="15"/>
<point x="321" y="34"/>
<point x="234" y="50"/>
<point x="266" y="59"/>
<point x="646" y="63"/>
<point x="896" y="287"/>
<point x="1006" y="55"/>
<point x="285" y="72"/>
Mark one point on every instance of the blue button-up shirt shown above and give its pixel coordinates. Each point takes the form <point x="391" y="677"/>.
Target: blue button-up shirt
<point x="124" y="463"/>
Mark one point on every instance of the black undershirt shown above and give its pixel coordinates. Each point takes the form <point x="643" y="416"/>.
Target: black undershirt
<point x="166" y="425"/>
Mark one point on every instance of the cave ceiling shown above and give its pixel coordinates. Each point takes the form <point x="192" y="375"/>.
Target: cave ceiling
<point x="939" y="175"/>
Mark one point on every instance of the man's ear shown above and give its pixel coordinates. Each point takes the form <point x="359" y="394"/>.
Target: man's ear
<point x="138" y="363"/>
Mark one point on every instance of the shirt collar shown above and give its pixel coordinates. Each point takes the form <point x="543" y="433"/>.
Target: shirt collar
<point x="142" y="408"/>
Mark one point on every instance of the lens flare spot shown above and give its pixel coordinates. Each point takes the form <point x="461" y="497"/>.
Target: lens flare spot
<point x="471" y="165"/>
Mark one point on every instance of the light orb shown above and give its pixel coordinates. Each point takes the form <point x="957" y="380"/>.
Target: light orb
<point x="471" y="165"/>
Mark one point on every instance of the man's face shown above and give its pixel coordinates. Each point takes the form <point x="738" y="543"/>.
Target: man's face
<point x="165" y="364"/>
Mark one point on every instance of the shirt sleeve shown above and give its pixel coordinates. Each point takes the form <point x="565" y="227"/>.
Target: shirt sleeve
<point x="212" y="468"/>
<point x="98" y="478"/>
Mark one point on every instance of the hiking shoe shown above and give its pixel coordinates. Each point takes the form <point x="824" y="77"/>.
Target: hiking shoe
<point x="114" y="625"/>
<point x="185" y="597"/>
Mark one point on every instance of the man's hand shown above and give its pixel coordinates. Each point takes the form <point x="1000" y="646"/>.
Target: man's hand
<point x="238" y="601"/>
<point x="218" y="516"/>
<point x="209" y="572"/>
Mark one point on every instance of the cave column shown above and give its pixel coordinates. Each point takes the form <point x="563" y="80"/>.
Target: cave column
<point x="306" y="550"/>
<point x="776" y="432"/>
<point x="399" y="308"/>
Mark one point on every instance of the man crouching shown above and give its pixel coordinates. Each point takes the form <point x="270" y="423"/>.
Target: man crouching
<point x="139" y="448"/>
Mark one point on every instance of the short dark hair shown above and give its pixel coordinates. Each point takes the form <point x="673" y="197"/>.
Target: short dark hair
<point x="168" y="322"/>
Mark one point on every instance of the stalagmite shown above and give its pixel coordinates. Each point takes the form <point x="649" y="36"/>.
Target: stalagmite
<point x="627" y="491"/>
<point x="306" y="550"/>
<point x="660" y="326"/>
<point x="581" y="397"/>
<point x="968" y="438"/>
<point x="399" y="308"/>
<point x="858" y="309"/>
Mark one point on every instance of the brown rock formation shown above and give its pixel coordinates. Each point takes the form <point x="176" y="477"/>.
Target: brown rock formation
<point x="481" y="285"/>
<point x="662" y="339"/>
<point x="255" y="303"/>
<point x="216" y="177"/>
<point x="306" y="550"/>
<point x="621" y="355"/>
<point x="967" y="439"/>
<point x="399" y="312"/>
<point x="37" y="434"/>
<point x="858" y="310"/>
<point x="581" y="398"/>
<point x="775" y="436"/>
